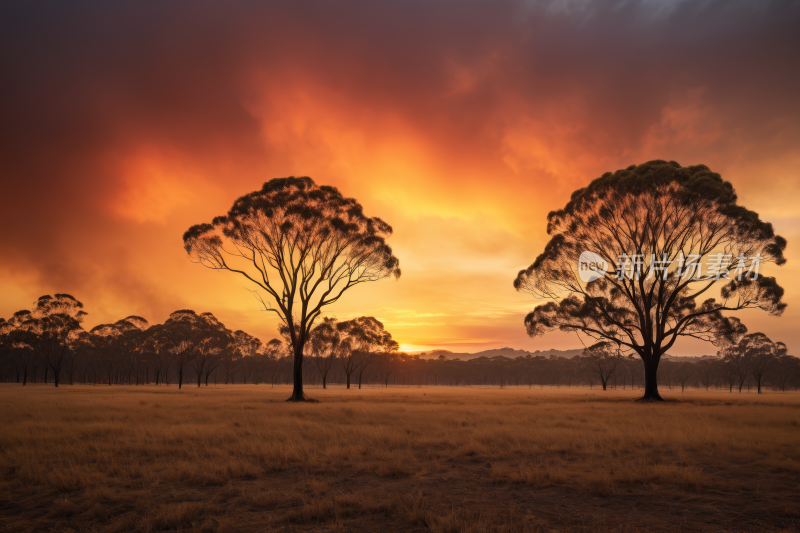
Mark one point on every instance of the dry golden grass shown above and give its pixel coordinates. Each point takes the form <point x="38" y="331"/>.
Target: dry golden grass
<point x="238" y="458"/>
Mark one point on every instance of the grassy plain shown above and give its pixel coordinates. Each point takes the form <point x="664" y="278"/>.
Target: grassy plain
<point x="438" y="459"/>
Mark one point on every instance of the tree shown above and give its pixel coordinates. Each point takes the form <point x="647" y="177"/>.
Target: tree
<point x="303" y="245"/>
<point x="130" y="343"/>
<point x="51" y="326"/>
<point x="361" y="338"/>
<point x="726" y="370"/>
<point x="230" y="360"/>
<point x="657" y="222"/>
<point x="18" y="343"/>
<point x="706" y="369"/>
<point x="85" y="344"/>
<point x="160" y="357"/>
<point x="274" y="357"/>
<point x="247" y="347"/>
<point x="788" y="372"/>
<point x="684" y="372"/>
<point x="326" y="343"/>
<point x="192" y="338"/>
<point x="386" y="365"/>
<point x="211" y="337"/>
<point x="738" y="361"/>
<point x="761" y="354"/>
<point x="103" y="346"/>
<point x="6" y="346"/>
<point x="602" y="359"/>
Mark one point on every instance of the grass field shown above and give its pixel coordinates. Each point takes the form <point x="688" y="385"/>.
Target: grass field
<point x="238" y="458"/>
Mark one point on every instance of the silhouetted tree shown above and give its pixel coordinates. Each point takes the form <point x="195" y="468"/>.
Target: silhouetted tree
<point x="18" y="343"/>
<point x="602" y="358"/>
<point x="705" y="372"/>
<point x="759" y="354"/>
<point x="229" y="359"/>
<point x="656" y="222"/>
<point x="6" y="345"/>
<point x="157" y="347"/>
<point x="386" y="365"/>
<point x="274" y="358"/>
<point x="130" y="343"/>
<point x="684" y="372"/>
<point x="326" y="342"/>
<point x="210" y="338"/>
<point x="370" y="339"/>
<point x="302" y="244"/>
<point x="51" y="325"/>
<point x="787" y="373"/>
<point x="361" y="338"/>
<point x="247" y="347"/>
<point x="191" y="338"/>
<point x="738" y="363"/>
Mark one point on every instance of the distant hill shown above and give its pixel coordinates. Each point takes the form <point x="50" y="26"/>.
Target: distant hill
<point x="511" y="353"/>
<point x="686" y="359"/>
<point x="568" y="354"/>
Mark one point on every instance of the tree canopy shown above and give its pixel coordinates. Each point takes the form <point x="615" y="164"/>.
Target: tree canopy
<point x="50" y="327"/>
<point x="654" y="225"/>
<point x="301" y="244"/>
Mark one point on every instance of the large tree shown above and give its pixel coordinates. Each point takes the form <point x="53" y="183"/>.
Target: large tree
<point x="303" y="245"/>
<point x="653" y="224"/>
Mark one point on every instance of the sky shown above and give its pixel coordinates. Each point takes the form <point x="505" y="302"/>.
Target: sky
<point x="460" y="123"/>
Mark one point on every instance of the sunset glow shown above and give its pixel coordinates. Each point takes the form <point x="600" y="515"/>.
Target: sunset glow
<point x="462" y="126"/>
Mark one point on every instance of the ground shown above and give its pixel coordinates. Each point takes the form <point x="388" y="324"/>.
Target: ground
<point x="438" y="459"/>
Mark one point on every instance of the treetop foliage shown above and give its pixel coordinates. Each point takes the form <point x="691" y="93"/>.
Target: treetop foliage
<point x="307" y="219"/>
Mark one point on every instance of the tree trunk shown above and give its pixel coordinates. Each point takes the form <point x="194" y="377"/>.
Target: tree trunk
<point x="297" y="391"/>
<point x="324" y="381"/>
<point x="651" y="380"/>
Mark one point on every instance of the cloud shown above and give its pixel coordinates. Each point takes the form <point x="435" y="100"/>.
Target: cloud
<point x="462" y="124"/>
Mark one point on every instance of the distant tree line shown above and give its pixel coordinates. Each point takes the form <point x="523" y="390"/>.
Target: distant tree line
<point x="48" y="344"/>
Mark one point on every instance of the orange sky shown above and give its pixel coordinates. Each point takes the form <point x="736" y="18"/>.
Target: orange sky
<point x="460" y="124"/>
